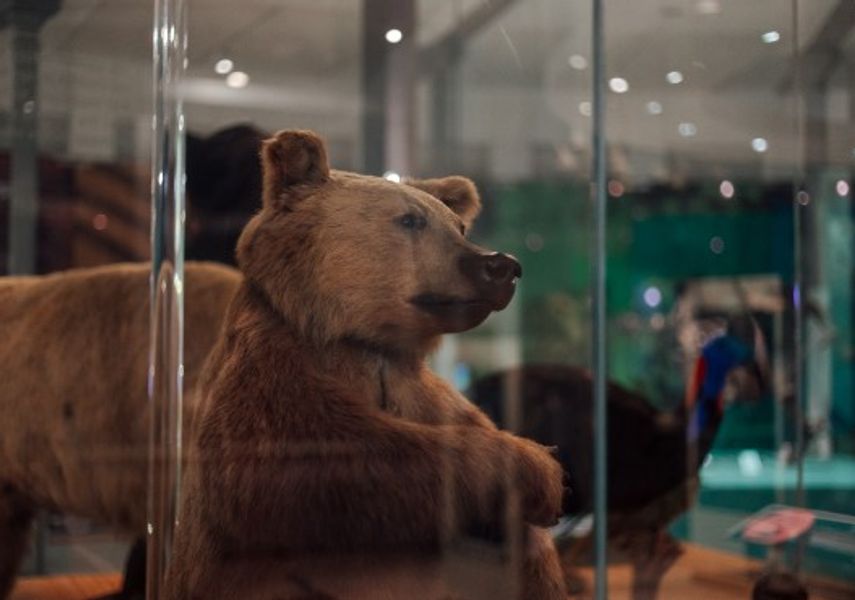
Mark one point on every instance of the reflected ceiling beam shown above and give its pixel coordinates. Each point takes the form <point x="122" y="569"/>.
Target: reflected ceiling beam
<point x="437" y="55"/>
<point x="824" y="53"/>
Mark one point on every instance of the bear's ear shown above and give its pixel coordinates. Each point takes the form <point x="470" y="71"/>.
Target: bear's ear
<point x="291" y="158"/>
<point x="456" y="192"/>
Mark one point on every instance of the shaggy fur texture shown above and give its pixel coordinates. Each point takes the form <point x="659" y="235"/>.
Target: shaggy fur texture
<point x="327" y="461"/>
<point x="73" y="404"/>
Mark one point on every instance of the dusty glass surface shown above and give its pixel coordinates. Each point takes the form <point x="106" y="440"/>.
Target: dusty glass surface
<point x="74" y="164"/>
<point x="728" y="130"/>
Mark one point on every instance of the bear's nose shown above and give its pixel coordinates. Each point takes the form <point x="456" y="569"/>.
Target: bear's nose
<point x="488" y="270"/>
<point x="501" y="268"/>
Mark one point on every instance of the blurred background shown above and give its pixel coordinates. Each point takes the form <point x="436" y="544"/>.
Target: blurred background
<point x="730" y="147"/>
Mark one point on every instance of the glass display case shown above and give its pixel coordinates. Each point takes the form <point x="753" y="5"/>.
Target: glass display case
<point x="673" y="177"/>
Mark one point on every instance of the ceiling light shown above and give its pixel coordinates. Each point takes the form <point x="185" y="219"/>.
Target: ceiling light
<point x="393" y="36"/>
<point x="687" y="129"/>
<point x="674" y="77"/>
<point x="726" y="189"/>
<point x="708" y="7"/>
<point x="237" y="79"/>
<point x="759" y="145"/>
<point x="652" y="297"/>
<point x="224" y="66"/>
<point x="770" y="37"/>
<point x="654" y="107"/>
<point x="615" y="188"/>
<point x="392" y="176"/>
<point x="842" y="187"/>
<point x="578" y="62"/>
<point x="716" y="245"/>
<point x="585" y="108"/>
<point x="619" y="85"/>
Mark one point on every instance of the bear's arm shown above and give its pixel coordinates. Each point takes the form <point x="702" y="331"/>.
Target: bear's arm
<point x="428" y="398"/>
<point x="452" y="406"/>
<point x="352" y="480"/>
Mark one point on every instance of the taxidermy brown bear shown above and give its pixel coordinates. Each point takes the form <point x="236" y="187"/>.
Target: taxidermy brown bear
<point x="73" y="402"/>
<point x="326" y="460"/>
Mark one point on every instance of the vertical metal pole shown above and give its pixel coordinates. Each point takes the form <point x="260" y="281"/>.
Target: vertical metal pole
<point x="599" y="197"/>
<point x="401" y="92"/>
<point x="24" y="20"/>
<point x="801" y="197"/>
<point x="166" y="369"/>
<point x="374" y="75"/>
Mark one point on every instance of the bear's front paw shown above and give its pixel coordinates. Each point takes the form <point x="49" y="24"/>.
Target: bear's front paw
<point x="540" y="481"/>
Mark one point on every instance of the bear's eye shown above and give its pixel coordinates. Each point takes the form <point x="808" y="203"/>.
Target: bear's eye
<point x="412" y="221"/>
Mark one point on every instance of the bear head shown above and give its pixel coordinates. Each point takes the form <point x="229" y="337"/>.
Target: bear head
<point x="347" y="256"/>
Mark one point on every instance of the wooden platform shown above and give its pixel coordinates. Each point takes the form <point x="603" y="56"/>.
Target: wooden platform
<point x="75" y="587"/>
<point x="700" y="573"/>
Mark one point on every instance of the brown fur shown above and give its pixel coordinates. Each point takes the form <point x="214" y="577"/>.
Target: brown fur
<point x="73" y="402"/>
<point x="327" y="460"/>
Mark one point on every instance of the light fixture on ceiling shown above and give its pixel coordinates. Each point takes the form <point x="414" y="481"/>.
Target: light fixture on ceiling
<point x="393" y="36"/>
<point x="716" y="244"/>
<point x="619" y="85"/>
<point x="726" y="189"/>
<point x="759" y="145"/>
<point x="652" y="296"/>
<point x="708" y="7"/>
<point x="654" y="107"/>
<point x="842" y="187"/>
<point x="616" y="188"/>
<point x="687" y="129"/>
<point x="392" y="176"/>
<point x="585" y="108"/>
<point x="224" y="66"/>
<point x="578" y="62"/>
<point x="237" y="79"/>
<point x="674" y="77"/>
<point x="770" y="37"/>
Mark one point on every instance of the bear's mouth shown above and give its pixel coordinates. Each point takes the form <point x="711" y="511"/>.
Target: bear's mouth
<point x="442" y="302"/>
<point x="454" y="313"/>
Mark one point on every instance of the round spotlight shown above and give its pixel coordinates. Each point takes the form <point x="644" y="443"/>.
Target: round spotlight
<point x="842" y="187"/>
<point x="578" y="62"/>
<point x="674" y="77"/>
<point x="716" y="245"/>
<point x="237" y="79"/>
<point x="803" y="198"/>
<point x="392" y="176"/>
<point x="770" y="37"/>
<point x="224" y="66"/>
<point x="100" y="221"/>
<point x="619" y="85"/>
<point x="708" y="7"/>
<point x="616" y="188"/>
<point x="687" y="129"/>
<point x="585" y="108"/>
<point x="726" y="189"/>
<point x="652" y="297"/>
<point x="654" y="107"/>
<point x="759" y="145"/>
<point x="393" y="36"/>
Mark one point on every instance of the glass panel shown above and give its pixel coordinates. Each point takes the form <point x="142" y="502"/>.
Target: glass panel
<point x="75" y="108"/>
<point x="729" y="146"/>
<point x="403" y="90"/>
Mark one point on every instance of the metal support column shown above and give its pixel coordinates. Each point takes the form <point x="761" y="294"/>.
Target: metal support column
<point x="24" y="20"/>
<point x="388" y="86"/>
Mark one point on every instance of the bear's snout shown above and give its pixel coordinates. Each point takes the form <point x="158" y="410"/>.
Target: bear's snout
<point x="493" y="275"/>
